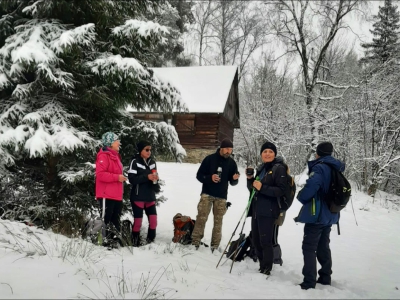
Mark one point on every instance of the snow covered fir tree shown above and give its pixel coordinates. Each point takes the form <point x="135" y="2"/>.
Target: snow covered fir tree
<point x="384" y="45"/>
<point x="68" y="70"/>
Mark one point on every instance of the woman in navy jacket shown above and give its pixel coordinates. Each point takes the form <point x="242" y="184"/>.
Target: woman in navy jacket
<point x="265" y="209"/>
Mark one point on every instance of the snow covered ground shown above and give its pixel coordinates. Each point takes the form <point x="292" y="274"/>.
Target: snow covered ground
<point x="39" y="264"/>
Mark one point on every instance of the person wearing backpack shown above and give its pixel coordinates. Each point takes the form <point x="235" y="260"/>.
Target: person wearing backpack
<point x="264" y="208"/>
<point x="317" y="217"/>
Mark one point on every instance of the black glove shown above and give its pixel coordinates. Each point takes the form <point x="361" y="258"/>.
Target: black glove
<point x="156" y="188"/>
<point x="228" y="204"/>
<point x="249" y="171"/>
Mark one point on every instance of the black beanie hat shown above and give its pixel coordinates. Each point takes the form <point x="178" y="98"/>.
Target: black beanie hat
<point x="324" y="149"/>
<point x="268" y="145"/>
<point x="226" y="143"/>
<point x="140" y="146"/>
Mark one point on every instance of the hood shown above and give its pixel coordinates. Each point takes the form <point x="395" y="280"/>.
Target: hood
<point x="329" y="160"/>
<point x="111" y="154"/>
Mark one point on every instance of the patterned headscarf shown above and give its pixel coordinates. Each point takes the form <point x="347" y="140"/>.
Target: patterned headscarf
<point x="108" y="138"/>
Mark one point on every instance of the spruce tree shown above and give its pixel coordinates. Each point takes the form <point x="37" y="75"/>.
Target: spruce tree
<point x="384" y="45"/>
<point x="68" y="70"/>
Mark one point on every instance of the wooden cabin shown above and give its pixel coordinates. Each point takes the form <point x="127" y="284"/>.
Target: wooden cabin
<point x="212" y="98"/>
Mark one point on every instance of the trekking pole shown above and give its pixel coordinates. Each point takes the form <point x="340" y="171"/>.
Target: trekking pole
<point x="248" y="207"/>
<point x="233" y="233"/>
<point x="233" y="253"/>
<point x="237" y="247"/>
<point x="351" y="199"/>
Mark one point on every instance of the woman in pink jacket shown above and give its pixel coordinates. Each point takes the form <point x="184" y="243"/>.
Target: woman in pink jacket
<point x="109" y="184"/>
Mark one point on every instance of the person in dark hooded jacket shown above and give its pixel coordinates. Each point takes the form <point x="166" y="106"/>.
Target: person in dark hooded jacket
<point x="143" y="177"/>
<point x="317" y="217"/>
<point x="264" y="208"/>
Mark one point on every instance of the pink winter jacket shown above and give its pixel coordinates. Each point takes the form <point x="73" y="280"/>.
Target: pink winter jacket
<point x="108" y="169"/>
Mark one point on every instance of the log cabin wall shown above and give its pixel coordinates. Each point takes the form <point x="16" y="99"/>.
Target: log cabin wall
<point x="225" y="129"/>
<point x="197" y="131"/>
<point x="154" y="117"/>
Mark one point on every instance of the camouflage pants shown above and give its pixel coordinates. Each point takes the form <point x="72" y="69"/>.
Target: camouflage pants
<point x="203" y="210"/>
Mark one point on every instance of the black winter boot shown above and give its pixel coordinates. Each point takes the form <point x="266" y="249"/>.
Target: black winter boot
<point x="266" y="262"/>
<point x="135" y="239"/>
<point x="151" y="235"/>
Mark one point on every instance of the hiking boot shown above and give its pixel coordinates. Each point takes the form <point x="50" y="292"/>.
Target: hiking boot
<point x="323" y="282"/>
<point x="266" y="271"/>
<point x="212" y="250"/>
<point x="305" y="286"/>
<point x="196" y="244"/>
<point x="136" y="239"/>
<point x="113" y="245"/>
<point x="278" y="261"/>
<point x="151" y="235"/>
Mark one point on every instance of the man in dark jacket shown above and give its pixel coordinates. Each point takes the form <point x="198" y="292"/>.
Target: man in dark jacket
<point x="317" y="217"/>
<point x="215" y="172"/>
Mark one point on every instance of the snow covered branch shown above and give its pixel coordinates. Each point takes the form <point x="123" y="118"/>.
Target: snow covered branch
<point x="35" y="46"/>
<point x="142" y="31"/>
<point x="109" y="64"/>
<point x="335" y="86"/>
<point x="78" y="175"/>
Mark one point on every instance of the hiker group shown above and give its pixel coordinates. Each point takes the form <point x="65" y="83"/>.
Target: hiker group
<point x="271" y="189"/>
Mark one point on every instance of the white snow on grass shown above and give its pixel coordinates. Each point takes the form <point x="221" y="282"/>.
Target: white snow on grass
<point x="39" y="264"/>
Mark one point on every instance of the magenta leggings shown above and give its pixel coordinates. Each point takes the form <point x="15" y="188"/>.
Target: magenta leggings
<point x="150" y="210"/>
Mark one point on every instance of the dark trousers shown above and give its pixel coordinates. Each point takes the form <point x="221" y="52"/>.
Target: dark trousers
<point x="316" y="247"/>
<point x="275" y="235"/>
<point x="262" y="230"/>
<point x="112" y="215"/>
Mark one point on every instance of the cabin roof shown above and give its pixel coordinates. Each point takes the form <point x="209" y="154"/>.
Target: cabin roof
<point x="204" y="89"/>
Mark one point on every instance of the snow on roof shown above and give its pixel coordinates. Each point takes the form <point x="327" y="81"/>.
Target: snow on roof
<point x="204" y="89"/>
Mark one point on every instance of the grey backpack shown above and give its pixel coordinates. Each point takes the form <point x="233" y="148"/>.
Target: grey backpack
<point x="96" y="228"/>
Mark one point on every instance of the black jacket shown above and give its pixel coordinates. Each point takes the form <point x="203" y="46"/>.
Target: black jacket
<point x="265" y="201"/>
<point x="142" y="188"/>
<point x="209" y="167"/>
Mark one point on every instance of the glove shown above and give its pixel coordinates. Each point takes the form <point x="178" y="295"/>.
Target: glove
<point x="249" y="171"/>
<point x="228" y="204"/>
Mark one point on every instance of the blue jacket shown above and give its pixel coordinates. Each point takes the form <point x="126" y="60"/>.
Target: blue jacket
<point x="315" y="210"/>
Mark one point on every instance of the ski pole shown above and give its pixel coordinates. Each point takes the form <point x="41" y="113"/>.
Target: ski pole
<point x="241" y="232"/>
<point x="233" y="233"/>
<point x="244" y="213"/>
